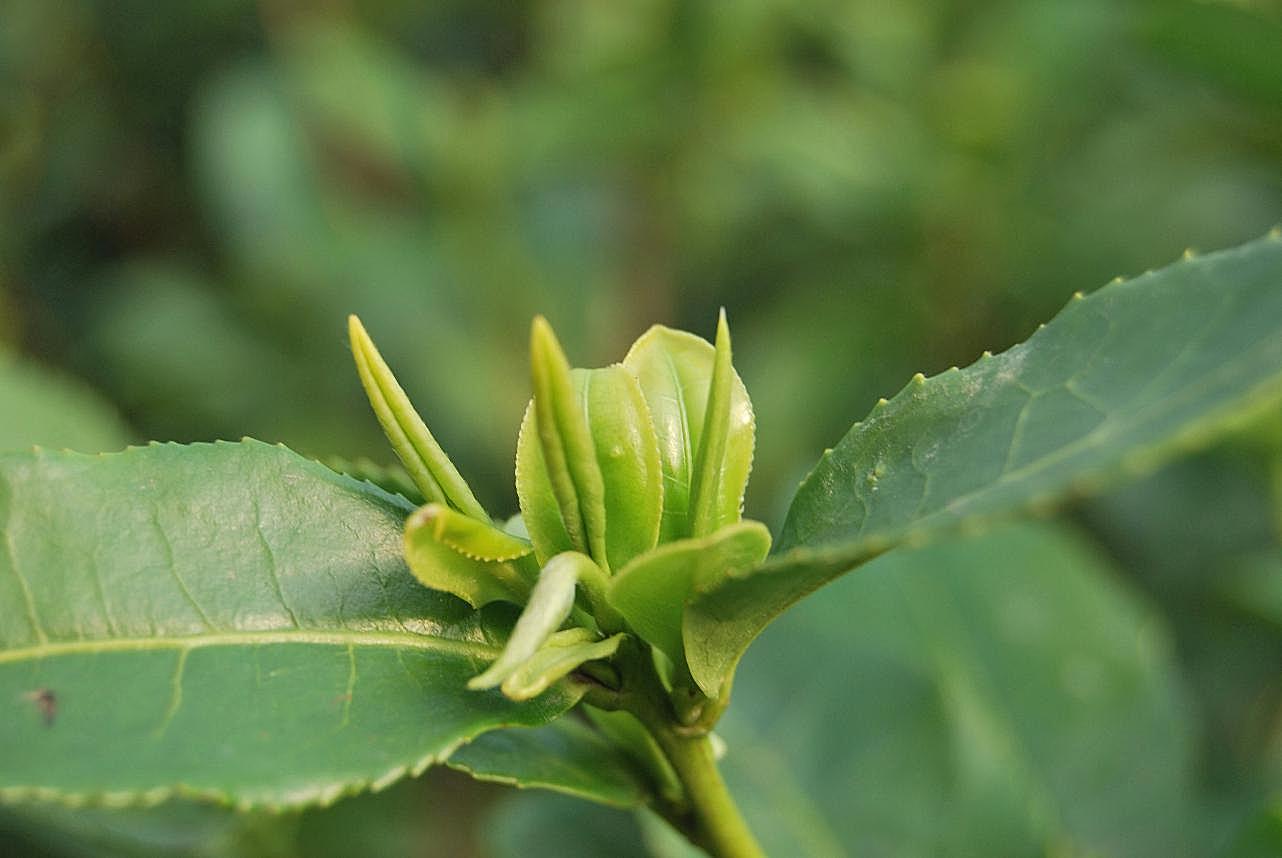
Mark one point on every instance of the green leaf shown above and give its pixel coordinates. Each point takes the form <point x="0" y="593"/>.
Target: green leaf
<point x="227" y="621"/>
<point x="176" y="829"/>
<point x="1001" y="695"/>
<point x="550" y="604"/>
<point x="469" y="536"/>
<point x="675" y="370"/>
<point x="626" y="454"/>
<point x="651" y="592"/>
<point x="709" y="460"/>
<point x="565" y="756"/>
<point x="390" y="478"/>
<point x="542" y="825"/>
<point x="568" y="452"/>
<point x="556" y="659"/>
<point x="1118" y="382"/>
<point x="476" y="580"/>
<point x="45" y="408"/>
<point x="427" y="464"/>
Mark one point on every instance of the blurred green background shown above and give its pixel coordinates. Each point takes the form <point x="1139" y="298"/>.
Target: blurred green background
<point x="194" y="195"/>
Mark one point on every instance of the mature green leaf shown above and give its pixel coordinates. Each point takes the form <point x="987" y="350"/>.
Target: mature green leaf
<point x="999" y="695"/>
<point x="42" y="407"/>
<point x="390" y="478"/>
<point x="534" y="825"/>
<point x="1119" y="381"/>
<point x="565" y="756"/>
<point x="227" y="621"/>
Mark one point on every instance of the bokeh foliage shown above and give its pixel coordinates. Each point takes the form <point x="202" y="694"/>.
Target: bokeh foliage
<point x="193" y="196"/>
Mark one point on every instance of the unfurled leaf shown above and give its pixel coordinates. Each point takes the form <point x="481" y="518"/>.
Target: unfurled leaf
<point x="1118" y="382"/>
<point x="202" y="619"/>
<point x="675" y="370"/>
<point x="1000" y="695"/>
<point x="652" y="592"/>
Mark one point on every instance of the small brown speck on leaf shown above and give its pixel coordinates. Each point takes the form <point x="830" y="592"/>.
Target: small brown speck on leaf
<point x="47" y="702"/>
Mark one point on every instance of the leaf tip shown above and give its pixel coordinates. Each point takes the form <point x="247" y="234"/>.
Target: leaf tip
<point x="1188" y="254"/>
<point x="919" y="379"/>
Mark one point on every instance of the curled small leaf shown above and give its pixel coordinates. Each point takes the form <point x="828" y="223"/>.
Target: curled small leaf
<point x="469" y="536"/>
<point x="563" y="653"/>
<point x="550" y="604"/>
<point x="475" y="579"/>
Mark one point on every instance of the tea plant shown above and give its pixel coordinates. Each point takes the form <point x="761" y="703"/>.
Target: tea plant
<point x="236" y="623"/>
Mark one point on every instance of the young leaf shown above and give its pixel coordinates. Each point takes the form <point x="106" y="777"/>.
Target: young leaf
<point x="485" y="573"/>
<point x="201" y="619"/>
<point x="709" y="461"/>
<point x="468" y="536"/>
<point x="569" y="456"/>
<point x="540" y="510"/>
<point x="674" y="370"/>
<point x="626" y="452"/>
<point x="562" y="653"/>
<point x="1117" y="383"/>
<point x="652" y="591"/>
<point x="550" y="604"/>
<point x="428" y="466"/>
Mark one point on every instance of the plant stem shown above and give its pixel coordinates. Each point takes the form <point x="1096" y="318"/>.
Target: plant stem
<point x="709" y="818"/>
<point x="717" y="824"/>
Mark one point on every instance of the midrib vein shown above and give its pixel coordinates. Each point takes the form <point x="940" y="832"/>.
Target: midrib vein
<point x="394" y="640"/>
